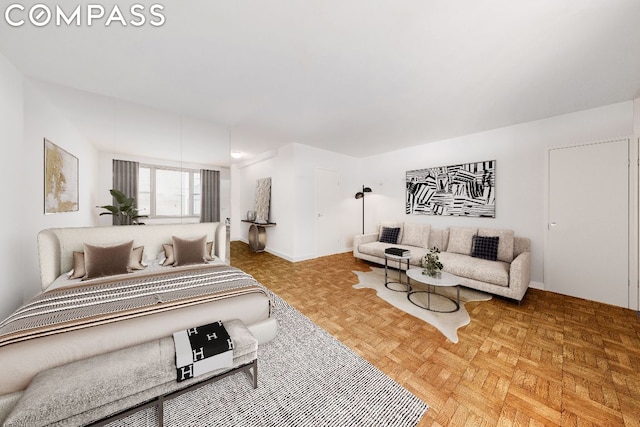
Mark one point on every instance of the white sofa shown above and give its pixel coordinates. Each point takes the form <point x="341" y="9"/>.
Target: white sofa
<point x="508" y="276"/>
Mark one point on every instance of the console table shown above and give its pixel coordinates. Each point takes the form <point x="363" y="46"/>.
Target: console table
<point x="258" y="234"/>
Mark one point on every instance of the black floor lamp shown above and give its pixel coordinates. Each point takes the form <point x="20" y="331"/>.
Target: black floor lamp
<point x="360" y="195"/>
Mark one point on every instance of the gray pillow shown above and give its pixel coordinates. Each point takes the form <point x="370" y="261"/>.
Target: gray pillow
<point x="170" y="260"/>
<point x="100" y="261"/>
<point x="186" y="252"/>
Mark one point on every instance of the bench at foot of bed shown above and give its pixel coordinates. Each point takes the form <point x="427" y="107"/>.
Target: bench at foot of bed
<point x="103" y="388"/>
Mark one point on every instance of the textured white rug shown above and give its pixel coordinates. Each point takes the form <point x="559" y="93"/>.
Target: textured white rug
<point x="447" y="323"/>
<point x="306" y="378"/>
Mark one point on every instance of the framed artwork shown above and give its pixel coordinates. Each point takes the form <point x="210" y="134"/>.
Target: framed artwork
<point x="460" y="190"/>
<point x="60" y="179"/>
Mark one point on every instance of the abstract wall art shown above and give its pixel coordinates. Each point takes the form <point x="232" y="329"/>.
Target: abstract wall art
<point x="263" y="199"/>
<point x="60" y="179"/>
<point x="460" y="190"/>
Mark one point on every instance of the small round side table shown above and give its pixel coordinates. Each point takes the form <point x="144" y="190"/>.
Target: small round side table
<point x="399" y="259"/>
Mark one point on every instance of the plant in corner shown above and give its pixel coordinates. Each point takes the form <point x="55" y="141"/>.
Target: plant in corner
<point x="431" y="263"/>
<point x="124" y="210"/>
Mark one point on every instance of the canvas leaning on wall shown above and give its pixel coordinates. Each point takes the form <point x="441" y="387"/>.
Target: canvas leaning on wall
<point x="459" y="190"/>
<point x="60" y="179"/>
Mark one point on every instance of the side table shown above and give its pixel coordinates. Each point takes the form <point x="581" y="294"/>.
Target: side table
<point x="399" y="259"/>
<point x="258" y="234"/>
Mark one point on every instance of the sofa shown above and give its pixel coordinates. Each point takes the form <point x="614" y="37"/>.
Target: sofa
<point x="462" y="252"/>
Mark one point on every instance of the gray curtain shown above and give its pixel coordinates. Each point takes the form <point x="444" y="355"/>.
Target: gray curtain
<point x="125" y="179"/>
<point x="210" y="193"/>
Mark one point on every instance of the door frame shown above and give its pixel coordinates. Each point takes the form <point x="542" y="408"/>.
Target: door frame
<point x="633" y="197"/>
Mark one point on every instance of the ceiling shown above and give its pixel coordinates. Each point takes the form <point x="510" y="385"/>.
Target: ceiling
<point x="358" y="77"/>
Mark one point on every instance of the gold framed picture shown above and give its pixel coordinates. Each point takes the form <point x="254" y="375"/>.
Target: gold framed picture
<point x="60" y="179"/>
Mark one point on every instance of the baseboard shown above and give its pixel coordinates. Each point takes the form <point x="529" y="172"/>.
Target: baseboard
<point x="537" y="285"/>
<point x="288" y="257"/>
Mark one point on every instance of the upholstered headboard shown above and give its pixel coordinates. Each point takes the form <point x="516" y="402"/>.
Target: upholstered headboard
<point x="56" y="245"/>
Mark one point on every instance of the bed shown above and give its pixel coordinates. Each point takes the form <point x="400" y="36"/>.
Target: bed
<point x="28" y="347"/>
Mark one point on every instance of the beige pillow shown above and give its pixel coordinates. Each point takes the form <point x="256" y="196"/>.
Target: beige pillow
<point x="207" y="254"/>
<point x="100" y="261"/>
<point x="168" y="255"/>
<point x="505" y="241"/>
<point x="187" y="252"/>
<point x="461" y="240"/>
<point x="135" y="263"/>
<point x="78" y="266"/>
<point x="416" y="235"/>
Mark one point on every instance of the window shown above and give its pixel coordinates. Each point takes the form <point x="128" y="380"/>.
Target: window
<point x="168" y="192"/>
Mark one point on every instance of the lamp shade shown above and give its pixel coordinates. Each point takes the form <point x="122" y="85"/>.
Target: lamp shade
<point x="360" y="194"/>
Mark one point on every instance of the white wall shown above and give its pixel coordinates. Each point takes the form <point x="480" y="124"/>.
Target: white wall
<point x="521" y="170"/>
<point x="306" y="160"/>
<point x="292" y="171"/>
<point x="11" y="162"/>
<point x="277" y="165"/>
<point x="43" y="120"/>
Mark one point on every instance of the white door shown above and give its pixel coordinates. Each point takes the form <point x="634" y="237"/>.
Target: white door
<point x="327" y="212"/>
<point x="588" y="229"/>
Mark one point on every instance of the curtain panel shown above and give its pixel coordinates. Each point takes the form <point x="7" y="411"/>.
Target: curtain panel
<point x="125" y="179"/>
<point x="210" y="182"/>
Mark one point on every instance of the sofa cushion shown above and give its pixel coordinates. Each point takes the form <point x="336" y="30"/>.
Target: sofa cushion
<point x="485" y="247"/>
<point x="416" y="235"/>
<point x="496" y="272"/>
<point x="389" y="234"/>
<point x="392" y="224"/>
<point x="461" y="240"/>
<point x="505" y="244"/>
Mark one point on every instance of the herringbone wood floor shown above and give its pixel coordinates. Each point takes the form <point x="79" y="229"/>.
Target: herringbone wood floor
<point x="554" y="360"/>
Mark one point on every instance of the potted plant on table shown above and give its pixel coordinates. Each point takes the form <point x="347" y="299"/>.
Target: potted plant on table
<point x="431" y="263"/>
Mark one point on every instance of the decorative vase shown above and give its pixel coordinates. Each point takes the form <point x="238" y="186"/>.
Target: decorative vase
<point x="251" y="215"/>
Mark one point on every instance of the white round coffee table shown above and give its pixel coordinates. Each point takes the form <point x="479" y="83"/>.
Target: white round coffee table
<point x="445" y="280"/>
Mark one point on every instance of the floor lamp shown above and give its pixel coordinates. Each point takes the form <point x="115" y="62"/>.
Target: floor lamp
<point x="360" y="195"/>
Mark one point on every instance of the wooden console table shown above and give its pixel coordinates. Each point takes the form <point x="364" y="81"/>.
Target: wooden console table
<point x="258" y="234"/>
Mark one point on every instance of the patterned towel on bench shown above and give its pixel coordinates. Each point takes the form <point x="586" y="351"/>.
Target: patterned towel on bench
<point x="202" y="349"/>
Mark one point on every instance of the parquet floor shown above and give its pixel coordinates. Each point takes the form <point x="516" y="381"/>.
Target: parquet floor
<point x="554" y="360"/>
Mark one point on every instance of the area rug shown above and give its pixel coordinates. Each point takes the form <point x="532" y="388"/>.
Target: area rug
<point x="306" y="377"/>
<point x="447" y="323"/>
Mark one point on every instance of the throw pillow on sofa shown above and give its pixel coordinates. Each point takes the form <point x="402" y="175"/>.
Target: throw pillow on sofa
<point x="392" y="224"/>
<point x="390" y="235"/>
<point x="485" y="247"/>
<point x="416" y="235"/>
<point x="461" y="240"/>
<point x="505" y="246"/>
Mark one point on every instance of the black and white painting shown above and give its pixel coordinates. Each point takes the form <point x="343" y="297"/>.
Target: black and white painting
<point x="459" y="190"/>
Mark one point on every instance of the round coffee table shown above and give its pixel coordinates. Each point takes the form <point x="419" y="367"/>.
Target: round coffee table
<point x="399" y="259"/>
<point x="445" y="280"/>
